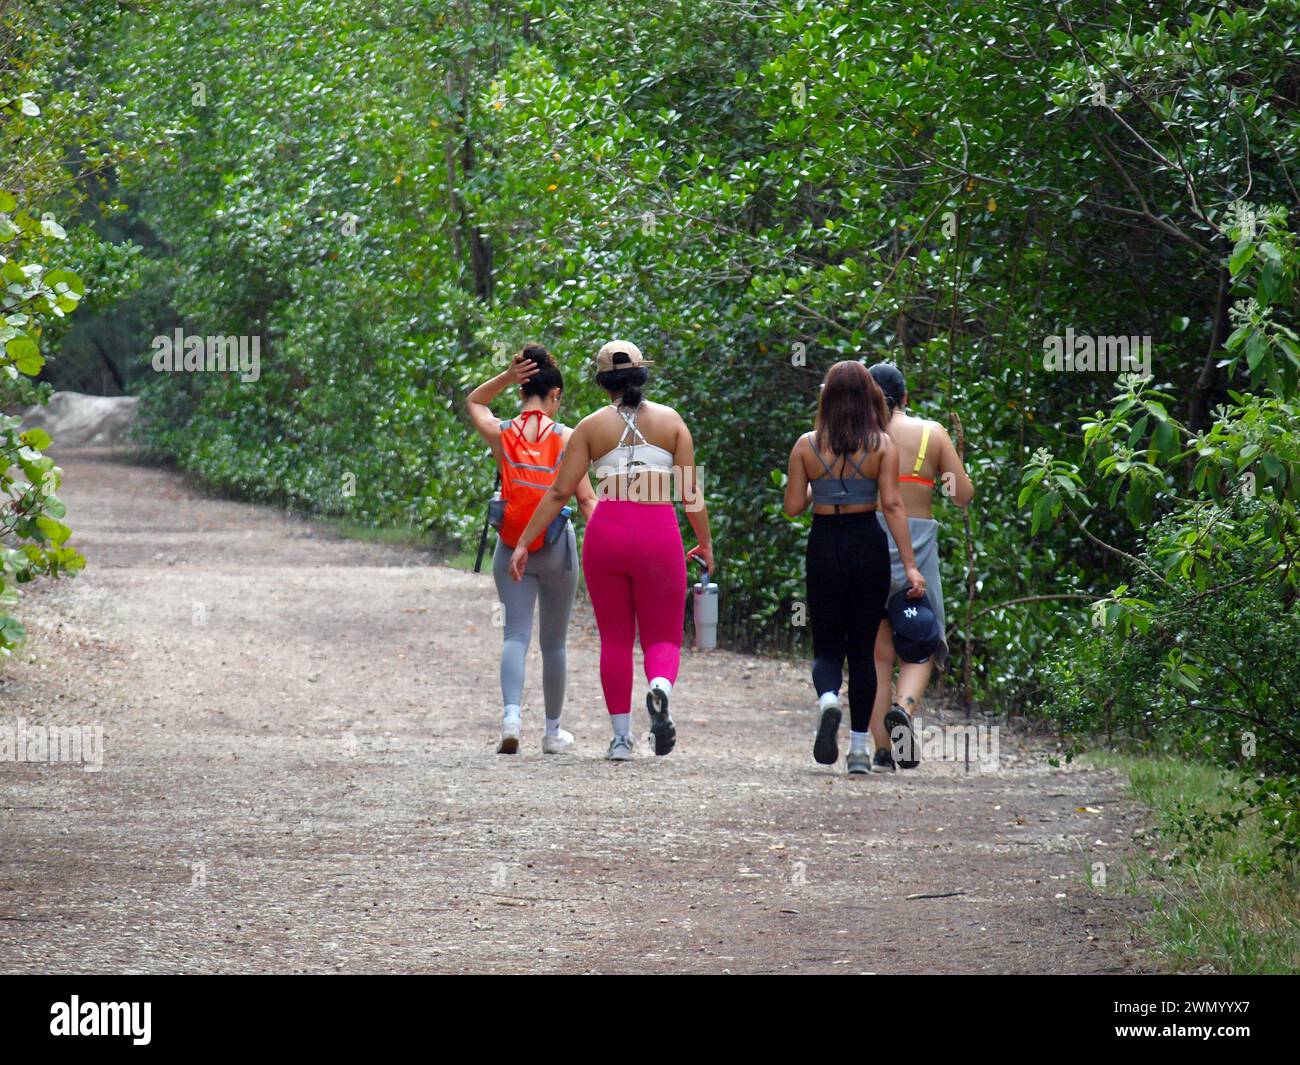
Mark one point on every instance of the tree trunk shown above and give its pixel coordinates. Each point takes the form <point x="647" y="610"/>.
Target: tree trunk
<point x="1198" y="413"/>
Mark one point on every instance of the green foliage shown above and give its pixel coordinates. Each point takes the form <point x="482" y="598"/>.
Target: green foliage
<point x="32" y="534"/>
<point x="1196" y="651"/>
<point x="1204" y="910"/>
<point x="42" y="125"/>
<point x="400" y="194"/>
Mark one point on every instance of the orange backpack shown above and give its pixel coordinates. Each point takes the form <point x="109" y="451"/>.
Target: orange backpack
<point x="528" y="469"/>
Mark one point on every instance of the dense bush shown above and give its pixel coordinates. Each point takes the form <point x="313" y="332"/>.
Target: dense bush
<point x="48" y="132"/>
<point x="1196" y="649"/>
<point x="395" y="193"/>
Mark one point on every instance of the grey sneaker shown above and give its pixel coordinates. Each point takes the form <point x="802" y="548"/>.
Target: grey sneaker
<point x="859" y="763"/>
<point x="620" y="749"/>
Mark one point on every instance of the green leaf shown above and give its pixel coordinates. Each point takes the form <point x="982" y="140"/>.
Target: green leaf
<point x="36" y="438"/>
<point x="54" y="531"/>
<point x="1241" y="257"/>
<point x="25" y="355"/>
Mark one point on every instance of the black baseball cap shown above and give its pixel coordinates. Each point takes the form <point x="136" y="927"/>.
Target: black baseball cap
<point x="916" y="627"/>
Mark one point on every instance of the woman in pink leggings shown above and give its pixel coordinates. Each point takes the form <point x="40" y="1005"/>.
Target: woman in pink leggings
<point x="632" y="553"/>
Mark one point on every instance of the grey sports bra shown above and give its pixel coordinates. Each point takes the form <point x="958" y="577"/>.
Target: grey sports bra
<point x="832" y="490"/>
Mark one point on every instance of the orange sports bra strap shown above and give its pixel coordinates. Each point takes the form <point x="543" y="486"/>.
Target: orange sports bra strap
<point x="520" y="422"/>
<point x="920" y="454"/>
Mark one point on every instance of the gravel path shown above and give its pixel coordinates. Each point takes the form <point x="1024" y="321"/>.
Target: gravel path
<point x="298" y="776"/>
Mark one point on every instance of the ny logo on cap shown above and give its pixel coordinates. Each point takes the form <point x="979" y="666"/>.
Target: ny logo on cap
<point x="909" y="612"/>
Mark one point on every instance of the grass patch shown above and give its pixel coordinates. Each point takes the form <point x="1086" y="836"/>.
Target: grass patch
<point x="1217" y="910"/>
<point x="446" y="553"/>
<point x="393" y="536"/>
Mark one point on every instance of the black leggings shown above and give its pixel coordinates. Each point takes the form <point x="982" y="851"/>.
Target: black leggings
<point x="848" y="582"/>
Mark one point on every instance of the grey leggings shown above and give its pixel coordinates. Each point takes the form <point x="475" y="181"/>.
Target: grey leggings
<point x="550" y="579"/>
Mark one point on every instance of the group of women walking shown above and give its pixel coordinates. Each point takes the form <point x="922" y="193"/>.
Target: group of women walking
<point x="872" y="561"/>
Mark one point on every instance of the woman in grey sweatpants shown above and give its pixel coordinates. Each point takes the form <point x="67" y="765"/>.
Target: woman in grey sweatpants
<point x="551" y="583"/>
<point x="552" y="578"/>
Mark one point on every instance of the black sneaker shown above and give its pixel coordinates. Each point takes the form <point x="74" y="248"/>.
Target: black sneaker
<point x="661" y="723"/>
<point x="883" y="762"/>
<point x="907" y="753"/>
<point x="825" y="748"/>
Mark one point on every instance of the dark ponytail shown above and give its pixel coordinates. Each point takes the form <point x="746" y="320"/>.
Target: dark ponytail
<point x="626" y="384"/>
<point x="892" y="383"/>
<point x="547" y="376"/>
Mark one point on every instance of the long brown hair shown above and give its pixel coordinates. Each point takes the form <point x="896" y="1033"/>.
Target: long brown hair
<point x="851" y="414"/>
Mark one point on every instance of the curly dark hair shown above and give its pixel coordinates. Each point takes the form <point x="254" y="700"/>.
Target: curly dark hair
<point x="548" y="373"/>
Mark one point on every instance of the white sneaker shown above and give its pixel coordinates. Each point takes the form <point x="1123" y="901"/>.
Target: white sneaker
<point x="620" y="749"/>
<point x="557" y="743"/>
<point x="509" y="736"/>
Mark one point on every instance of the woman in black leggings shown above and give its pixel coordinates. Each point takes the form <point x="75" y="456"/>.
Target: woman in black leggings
<point x="845" y="468"/>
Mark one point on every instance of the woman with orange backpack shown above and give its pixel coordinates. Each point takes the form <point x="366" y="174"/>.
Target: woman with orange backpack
<point x="528" y="449"/>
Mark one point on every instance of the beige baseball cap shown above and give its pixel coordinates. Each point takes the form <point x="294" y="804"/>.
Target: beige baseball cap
<point x="605" y="357"/>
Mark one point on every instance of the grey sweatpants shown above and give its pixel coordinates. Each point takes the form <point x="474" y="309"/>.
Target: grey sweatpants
<point x="925" y="546"/>
<point x="550" y="581"/>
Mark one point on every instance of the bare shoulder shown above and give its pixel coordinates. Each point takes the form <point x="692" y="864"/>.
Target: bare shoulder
<point x="593" y="419"/>
<point x="661" y="411"/>
<point x="938" y="432"/>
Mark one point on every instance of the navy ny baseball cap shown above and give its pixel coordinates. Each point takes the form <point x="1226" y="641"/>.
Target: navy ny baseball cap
<point x="916" y="628"/>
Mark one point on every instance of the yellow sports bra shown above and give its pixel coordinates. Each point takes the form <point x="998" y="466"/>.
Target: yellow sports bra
<point x="915" y="476"/>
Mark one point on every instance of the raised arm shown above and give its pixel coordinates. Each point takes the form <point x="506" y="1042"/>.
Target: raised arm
<point x="697" y="513"/>
<point x="480" y="414"/>
<point x="891" y="505"/>
<point x="952" y="471"/>
<point x="573" y="470"/>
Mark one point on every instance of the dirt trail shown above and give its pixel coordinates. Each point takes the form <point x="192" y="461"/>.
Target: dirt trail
<point x="298" y="776"/>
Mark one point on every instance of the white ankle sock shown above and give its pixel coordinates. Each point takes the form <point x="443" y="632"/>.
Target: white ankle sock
<point x="552" y="726"/>
<point x="662" y="684"/>
<point x="511" y="710"/>
<point x="828" y="699"/>
<point x="622" y="724"/>
<point x="858" y="742"/>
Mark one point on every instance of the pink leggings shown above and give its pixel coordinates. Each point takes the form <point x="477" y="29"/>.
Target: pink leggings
<point x="635" y="568"/>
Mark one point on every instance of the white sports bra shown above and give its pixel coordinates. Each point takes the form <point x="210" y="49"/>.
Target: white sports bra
<point x="633" y="453"/>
